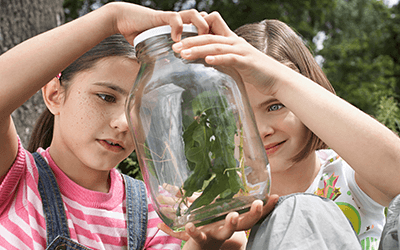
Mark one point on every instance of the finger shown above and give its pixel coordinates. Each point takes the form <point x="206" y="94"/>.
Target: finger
<point x="231" y="60"/>
<point x="195" y="233"/>
<point x="217" y="25"/>
<point x="229" y="227"/>
<point x="194" y="17"/>
<point x="197" y="19"/>
<point x="249" y="219"/>
<point x="199" y="48"/>
<point x="173" y="19"/>
<point x="179" y="235"/>
<point x="173" y="190"/>
<point x="272" y="200"/>
<point x="257" y="211"/>
<point x="197" y="41"/>
<point x="177" y="19"/>
<point x="203" y="14"/>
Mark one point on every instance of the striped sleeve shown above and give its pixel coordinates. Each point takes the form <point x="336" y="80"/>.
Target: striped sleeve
<point x="22" y="223"/>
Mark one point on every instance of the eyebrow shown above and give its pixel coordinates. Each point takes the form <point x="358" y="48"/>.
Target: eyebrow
<point x="111" y="86"/>
<point x="267" y="102"/>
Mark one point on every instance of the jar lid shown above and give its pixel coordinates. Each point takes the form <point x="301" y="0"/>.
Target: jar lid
<point x="162" y="30"/>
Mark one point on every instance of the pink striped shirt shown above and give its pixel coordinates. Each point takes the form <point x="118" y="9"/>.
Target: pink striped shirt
<point x="95" y="219"/>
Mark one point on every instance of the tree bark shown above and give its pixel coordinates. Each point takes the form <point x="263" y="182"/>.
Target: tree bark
<point x="19" y="21"/>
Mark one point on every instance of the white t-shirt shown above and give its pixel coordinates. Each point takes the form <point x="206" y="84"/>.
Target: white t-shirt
<point x="336" y="181"/>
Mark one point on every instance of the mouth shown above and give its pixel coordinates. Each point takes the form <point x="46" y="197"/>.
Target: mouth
<point x="272" y="148"/>
<point x="111" y="145"/>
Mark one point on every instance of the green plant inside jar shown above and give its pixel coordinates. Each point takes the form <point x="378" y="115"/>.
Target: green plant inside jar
<point x="209" y="149"/>
<point x="209" y="130"/>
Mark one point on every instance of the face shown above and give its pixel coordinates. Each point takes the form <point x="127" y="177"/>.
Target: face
<point x="91" y="130"/>
<point x="282" y="133"/>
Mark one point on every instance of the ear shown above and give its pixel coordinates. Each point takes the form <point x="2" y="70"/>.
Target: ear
<point x="53" y="96"/>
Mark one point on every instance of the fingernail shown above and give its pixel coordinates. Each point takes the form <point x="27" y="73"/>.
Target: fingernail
<point x="234" y="220"/>
<point x="210" y="59"/>
<point x="186" y="52"/>
<point x="177" y="46"/>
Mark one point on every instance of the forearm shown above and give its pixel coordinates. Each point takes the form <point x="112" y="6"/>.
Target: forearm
<point x="368" y="146"/>
<point x="31" y="64"/>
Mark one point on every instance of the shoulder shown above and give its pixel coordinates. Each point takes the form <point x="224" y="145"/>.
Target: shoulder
<point x="134" y="185"/>
<point x="24" y="166"/>
<point x="338" y="174"/>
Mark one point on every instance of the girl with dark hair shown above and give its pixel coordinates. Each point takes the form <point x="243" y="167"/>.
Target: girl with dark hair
<point x="298" y="116"/>
<point x="68" y="193"/>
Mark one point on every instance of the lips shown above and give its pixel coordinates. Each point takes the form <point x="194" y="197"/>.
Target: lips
<point x="273" y="147"/>
<point x="111" y="145"/>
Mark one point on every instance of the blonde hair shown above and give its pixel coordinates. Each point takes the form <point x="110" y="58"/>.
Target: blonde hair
<point x="279" y="41"/>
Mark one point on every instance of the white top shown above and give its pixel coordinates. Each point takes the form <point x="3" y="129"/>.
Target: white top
<point x="162" y="30"/>
<point x="336" y="181"/>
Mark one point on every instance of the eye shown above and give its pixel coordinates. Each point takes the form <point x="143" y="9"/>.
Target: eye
<point x="107" y="98"/>
<point x="275" y="107"/>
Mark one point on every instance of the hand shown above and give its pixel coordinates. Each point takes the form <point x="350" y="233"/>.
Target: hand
<point x="171" y="196"/>
<point x="212" y="236"/>
<point x="223" y="47"/>
<point x="131" y="19"/>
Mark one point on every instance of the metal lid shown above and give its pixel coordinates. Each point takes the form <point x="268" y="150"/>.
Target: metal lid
<point x="162" y="30"/>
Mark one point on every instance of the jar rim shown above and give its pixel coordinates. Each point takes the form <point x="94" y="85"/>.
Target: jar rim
<point x="161" y="30"/>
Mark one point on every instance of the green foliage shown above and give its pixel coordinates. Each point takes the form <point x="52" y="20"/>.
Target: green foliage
<point x="388" y="113"/>
<point x="305" y="16"/>
<point x="209" y="149"/>
<point x="130" y="166"/>
<point x="361" y="56"/>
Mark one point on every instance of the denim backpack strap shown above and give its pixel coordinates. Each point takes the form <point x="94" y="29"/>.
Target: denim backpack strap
<point x="53" y="205"/>
<point x="136" y="210"/>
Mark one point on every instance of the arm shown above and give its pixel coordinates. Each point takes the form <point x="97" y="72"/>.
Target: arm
<point x="370" y="148"/>
<point x="30" y="65"/>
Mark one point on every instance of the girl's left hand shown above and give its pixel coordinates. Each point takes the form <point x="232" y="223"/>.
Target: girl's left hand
<point x="213" y="236"/>
<point x="222" y="47"/>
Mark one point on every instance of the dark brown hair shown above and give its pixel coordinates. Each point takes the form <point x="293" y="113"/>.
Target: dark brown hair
<point x="115" y="45"/>
<point x="279" y="41"/>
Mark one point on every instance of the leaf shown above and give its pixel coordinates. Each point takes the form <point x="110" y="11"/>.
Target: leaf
<point x="209" y="149"/>
<point x="213" y="189"/>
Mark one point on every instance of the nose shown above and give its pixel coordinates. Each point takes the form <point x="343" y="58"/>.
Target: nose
<point x="264" y="126"/>
<point x="120" y="122"/>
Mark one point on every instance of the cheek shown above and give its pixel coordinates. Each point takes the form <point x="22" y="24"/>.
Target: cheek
<point x="295" y="127"/>
<point x="83" y="113"/>
<point x="291" y="123"/>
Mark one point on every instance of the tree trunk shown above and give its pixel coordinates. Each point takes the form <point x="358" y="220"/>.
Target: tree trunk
<point x="19" y="21"/>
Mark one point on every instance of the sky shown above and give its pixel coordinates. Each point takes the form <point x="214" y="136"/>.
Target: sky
<point x="390" y="3"/>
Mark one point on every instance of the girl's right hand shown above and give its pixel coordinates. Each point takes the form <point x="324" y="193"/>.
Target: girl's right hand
<point x="130" y="20"/>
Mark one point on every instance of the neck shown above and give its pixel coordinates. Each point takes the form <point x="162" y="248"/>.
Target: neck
<point x="84" y="176"/>
<point x="296" y="178"/>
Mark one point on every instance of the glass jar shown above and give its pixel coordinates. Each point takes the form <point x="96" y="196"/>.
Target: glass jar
<point x="197" y="143"/>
